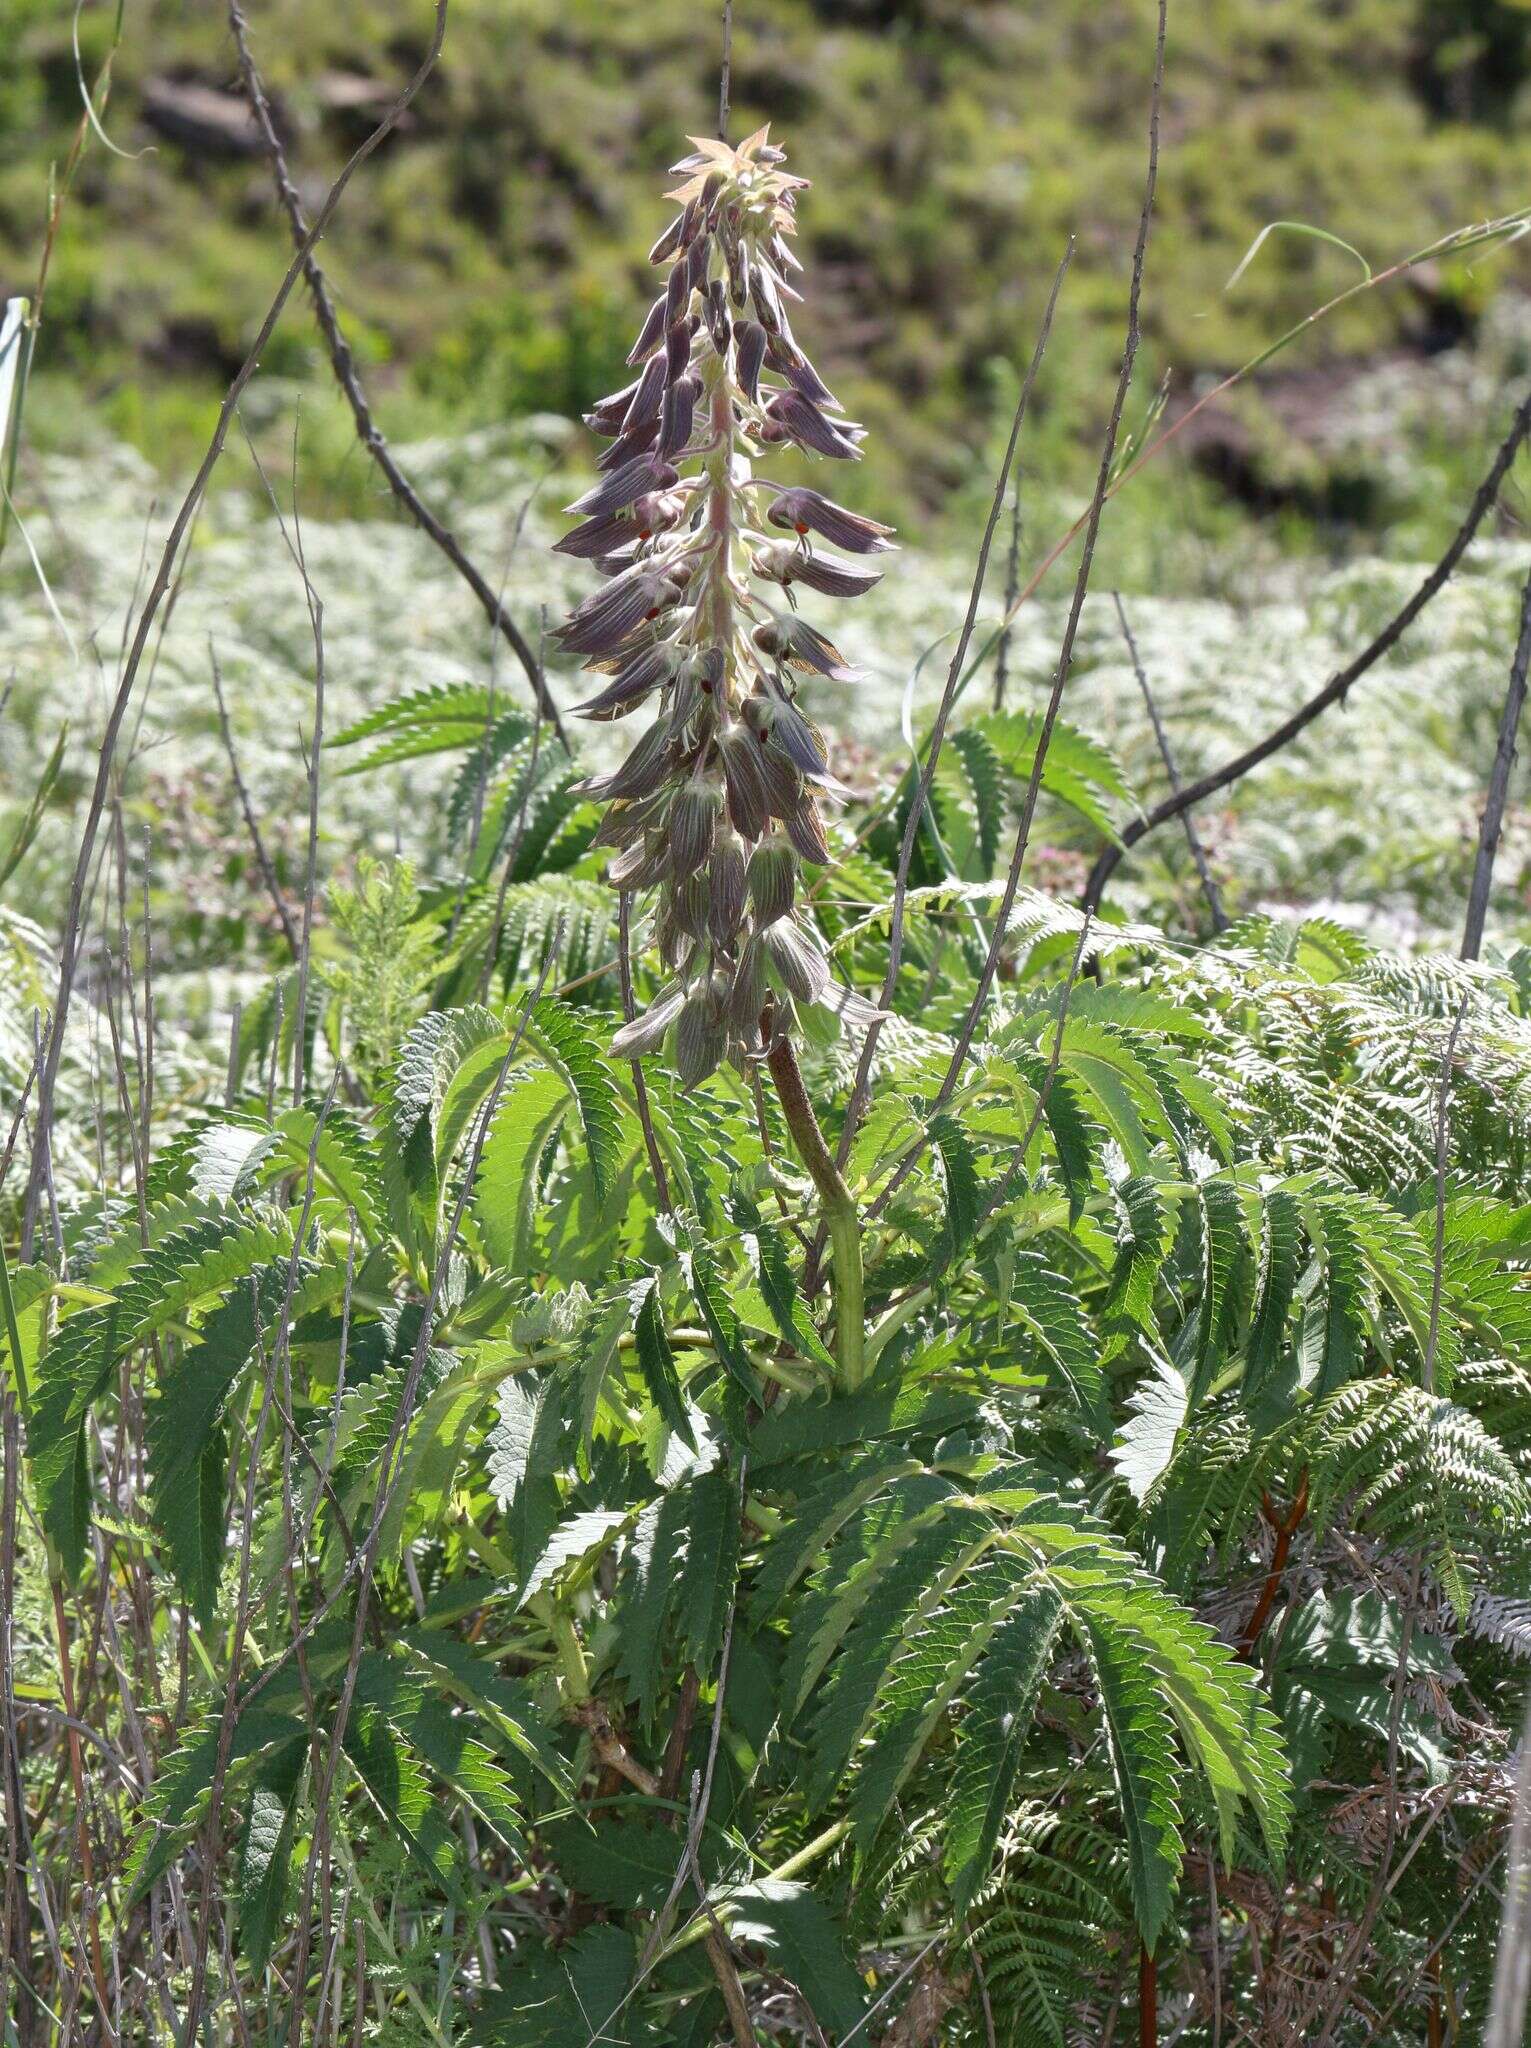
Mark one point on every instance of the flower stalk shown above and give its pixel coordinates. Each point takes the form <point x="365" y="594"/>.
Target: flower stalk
<point x="840" y="1217"/>
<point x="718" y="805"/>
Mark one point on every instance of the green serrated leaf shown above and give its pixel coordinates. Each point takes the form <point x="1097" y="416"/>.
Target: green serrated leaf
<point x="796" y="1928"/>
<point x="265" y="1853"/>
<point x="766" y="1250"/>
<point x="530" y="1109"/>
<point x="169" y="1283"/>
<point x="986" y="774"/>
<point x="721" y="1318"/>
<point x="959" y="1174"/>
<point x="705" y="1589"/>
<point x="656" y="1360"/>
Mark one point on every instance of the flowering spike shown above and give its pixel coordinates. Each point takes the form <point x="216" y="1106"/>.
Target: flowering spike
<point x="718" y="804"/>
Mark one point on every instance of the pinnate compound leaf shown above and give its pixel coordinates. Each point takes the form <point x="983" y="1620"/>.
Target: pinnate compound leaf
<point x="992" y="1735"/>
<point x="524" y="1455"/>
<point x="1047" y="1305"/>
<point x="1280" y="1264"/>
<point x="717" y="1311"/>
<point x="627" y="1861"/>
<point x="186" y="1440"/>
<point x="704" y="1594"/>
<point x="579" y="1053"/>
<point x="959" y="1175"/>
<point x="939" y="1657"/>
<point x="575" y="1993"/>
<point x="1156" y="1412"/>
<point x="1140" y="1738"/>
<point x="178" y="1798"/>
<point x="530" y="1108"/>
<point x="169" y="1283"/>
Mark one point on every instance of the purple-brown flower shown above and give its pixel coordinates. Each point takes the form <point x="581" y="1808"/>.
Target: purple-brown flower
<point x="718" y="803"/>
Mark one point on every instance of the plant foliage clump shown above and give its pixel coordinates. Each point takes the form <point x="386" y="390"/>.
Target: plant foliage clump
<point x="521" y="1610"/>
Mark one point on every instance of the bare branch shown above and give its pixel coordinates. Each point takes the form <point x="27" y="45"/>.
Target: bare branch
<point x="1166" y="755"/>
<point x="70" y="947"/>
<point x="861" y="1092"/>
<point x="252" y="823"/>
<point x="1338" y="686"/>
<point x="344" y="364"/>
<point x="969" y="1026"/>
<point x="1499" y="786"/>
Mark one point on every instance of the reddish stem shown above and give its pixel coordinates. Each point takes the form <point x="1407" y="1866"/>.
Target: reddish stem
<point x="1286" y="1528"/>
<point x="1148" y="1997"/>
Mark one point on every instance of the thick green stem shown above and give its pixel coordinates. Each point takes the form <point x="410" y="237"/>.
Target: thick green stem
<point x="794" y="1865"/>
<point x="571" y="1656"/>
<point x="840" y="1217"/>
<point x="13" y="1335"/>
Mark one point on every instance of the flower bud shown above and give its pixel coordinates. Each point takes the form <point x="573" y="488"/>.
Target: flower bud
<point x="796" y="738"/>
<point x="748" y="994"/>
<point x="737" y="259"/>
<point x="810" y="512"/>
<point x="834" y="578"/>
<point x="801" y="375"/>
<point x="772" y="880"/>
<point x="805" y="829"/>
<point x="675" y="422"/>
<point x="809" y="427"/>
<point x="689" y="902"/>
<point x="624" y="822"/>
<point x="677" y="292"/>
<point x="795" y="961"/>
<point x="596" y="537"/>
<point x="693" y="821"/>
<point x="645" y="399"/>
<point x="701" y="1036"/>
<point x="672" y="238"/>
<point x="745" y="783"/>
<point x="640" y="774"/>
<point x="678" y="349"/>
<point x="719" y="326"/>
<point x="726" y="886"/>
<point x="750" y="355"/>
<point x="765" y="301"/>
<point x="640" y="865"/>
<point x="652" y="328"/>
<point x="646" y="1032"/>
<point x="637" y="442"/>
<point x="622" y="486"/>
<point x="606" y="415"/>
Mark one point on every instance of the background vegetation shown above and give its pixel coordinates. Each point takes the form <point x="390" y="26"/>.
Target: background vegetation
<point x="491" y="264"/>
